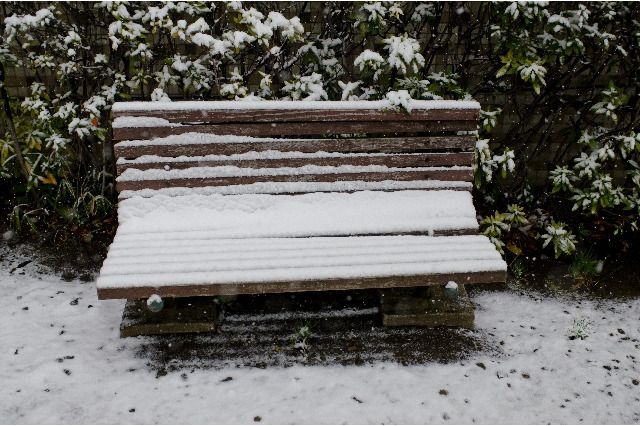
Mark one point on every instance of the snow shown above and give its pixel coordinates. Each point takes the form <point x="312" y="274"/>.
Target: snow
<point x="155" y="251"/>
<point x="15" y="23"/>
<point x="237" y="39"/>
<point x="121" y="122"/>
<point x="451" y="284"/>
<point x="256" y="155"/>
<point x="304" y="215"/>
<point x="235" y="171"/>
<point x="154" y="299"/>
<point x="404" y="53"/>
<point x="189" y="138"/>
<point x="367" y="56"/>
<point x="300" y="187"/>
<point x="65" y="363"/>
<point x="221" y="224"/>
<point x="202" y="39"/>
<point x="198" y="26"/>
<point x="400" y="98"/>
<point x="167" y="260"/>
<point x="289" y="27"/>
<point x="275" y="105"/>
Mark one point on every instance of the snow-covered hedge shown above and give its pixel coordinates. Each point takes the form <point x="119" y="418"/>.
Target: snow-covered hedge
<point x="541" y="70"/>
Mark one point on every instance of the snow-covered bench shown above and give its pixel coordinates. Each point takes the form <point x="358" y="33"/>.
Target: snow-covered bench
<point x="231" y="197"/>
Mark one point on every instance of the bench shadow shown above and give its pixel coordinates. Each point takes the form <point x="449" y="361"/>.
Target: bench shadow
<point x="344" y="328"/>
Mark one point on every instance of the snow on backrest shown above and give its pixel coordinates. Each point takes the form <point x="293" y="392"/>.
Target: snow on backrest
<point x="235" y="143"/>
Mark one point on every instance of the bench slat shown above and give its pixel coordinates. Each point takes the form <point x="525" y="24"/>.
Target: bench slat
<point x="443" y="175"/>
<point x="395" y="160"/>
<point x="302" y="128"/>
<point x="136" y="149"/>
<point x="425" y="279"/>
<point x="269" y="116"/>
<point x="353" y="259"/>
<point x="215" y="263"/>
<point x="299" y="188"/>
<point x="194" y="249"/>
<point x="460" y="231"/>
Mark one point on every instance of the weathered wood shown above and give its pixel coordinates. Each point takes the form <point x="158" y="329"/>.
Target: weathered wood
<point x="301" y="128"/>
<point x="294" y="191"/>
<point x="395" y="144"/>
<point x="299" y="286"/>
<point x="390" y="160"/>
<point x="311" y="115"/>
<point x="425" y="307"/>
<point x="182" y="315"/>
<point x="444" y="175"/>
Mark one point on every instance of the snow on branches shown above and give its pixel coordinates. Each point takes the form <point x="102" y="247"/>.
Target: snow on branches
<point x="83" y="57"/>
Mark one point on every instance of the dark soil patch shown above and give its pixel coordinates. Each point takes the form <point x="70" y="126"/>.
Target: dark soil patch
<point x="259" y="331"/>
<point x="71" y="258"/>
<point x="620" y="277"/>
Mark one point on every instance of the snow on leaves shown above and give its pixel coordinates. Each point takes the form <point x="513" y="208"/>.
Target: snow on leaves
<point x="305" y="88"/>
<point x="404" y="54"/>
<point x="371" y="63"/>
<point x="381" y="50"/>
<point x="562" y="239"/>
<point x="589" y="187"/>
<point x="15" y="24"/>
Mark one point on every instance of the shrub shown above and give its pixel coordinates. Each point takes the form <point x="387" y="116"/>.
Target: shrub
<point x="81" y="57"/>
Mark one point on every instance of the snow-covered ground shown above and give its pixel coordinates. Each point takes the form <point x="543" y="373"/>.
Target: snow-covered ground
<point x="62" y="361"/>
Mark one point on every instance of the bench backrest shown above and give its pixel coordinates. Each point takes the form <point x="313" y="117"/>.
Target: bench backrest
<point x="283" y="146"/>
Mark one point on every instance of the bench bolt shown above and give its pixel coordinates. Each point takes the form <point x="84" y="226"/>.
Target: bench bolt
<point x="155" y="303"/>
<point x="451" y="290"/>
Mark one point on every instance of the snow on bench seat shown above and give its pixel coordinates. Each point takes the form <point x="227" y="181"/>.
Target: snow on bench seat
<point x="176" y="266"/>
<point x="305" y="215"/>
<point x="230" y="244"/>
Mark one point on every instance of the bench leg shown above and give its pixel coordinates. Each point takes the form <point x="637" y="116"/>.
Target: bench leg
<point x="179" y="315"/>
<point x="426" y="307"/>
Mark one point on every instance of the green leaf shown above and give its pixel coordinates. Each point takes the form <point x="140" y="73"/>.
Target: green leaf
<point x="502" y="71"/>
<point x="536" y="87"/>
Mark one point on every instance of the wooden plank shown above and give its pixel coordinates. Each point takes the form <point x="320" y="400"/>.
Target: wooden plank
<point x="416" y="307"/>
<point x="299" y="286"/>
<point x="182" y="315"/>
<point x="302" y="128"/>
<point x="445" y="175"/>
<point x="407" y="143"/>
<point x="347" y="191"/>
<point x="180" y="247"/>
<point x="390" y="160"/>
<point x="299" y="115"/>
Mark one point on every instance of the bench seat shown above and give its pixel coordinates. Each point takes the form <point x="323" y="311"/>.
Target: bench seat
<point x="169" y="241"/>
<point x="175" y="266"/>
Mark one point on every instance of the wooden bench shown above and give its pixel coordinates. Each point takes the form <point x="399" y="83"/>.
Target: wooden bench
<point x="232" y="197"/>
